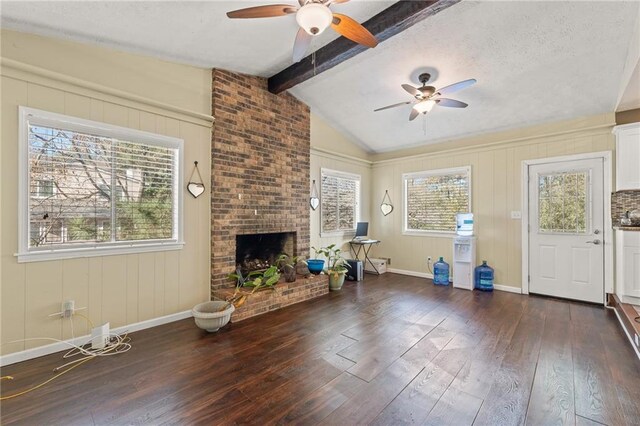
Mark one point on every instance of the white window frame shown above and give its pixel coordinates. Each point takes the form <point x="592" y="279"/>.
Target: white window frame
<point x="424" y="174"/>
<point x="28" y="116"/>
<point x="343" y="175"/>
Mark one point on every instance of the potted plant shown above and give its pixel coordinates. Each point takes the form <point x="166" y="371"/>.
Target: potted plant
<point x="337" y="266"/>
<point x="287" y="265"/>
<point x="316" y="265"/>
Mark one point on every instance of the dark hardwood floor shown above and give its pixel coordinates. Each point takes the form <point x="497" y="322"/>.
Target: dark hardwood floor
<point x="391" y="350"/>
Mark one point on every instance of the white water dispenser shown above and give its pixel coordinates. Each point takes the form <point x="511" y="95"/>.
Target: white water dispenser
<point x="464" y="252"/>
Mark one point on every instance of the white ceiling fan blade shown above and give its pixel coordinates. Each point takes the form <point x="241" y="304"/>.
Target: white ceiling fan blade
<point x="412" y="90"/>
<point x="452" y="103"/>
<point x="414" y="113"/>
<point x="455" y="87"/>
<point x="301" y="45"/>
<point x="392" y="106"/>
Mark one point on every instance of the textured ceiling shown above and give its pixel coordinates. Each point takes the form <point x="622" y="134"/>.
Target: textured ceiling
<point x="534" y="61"/>
<point x="190" y="32"/>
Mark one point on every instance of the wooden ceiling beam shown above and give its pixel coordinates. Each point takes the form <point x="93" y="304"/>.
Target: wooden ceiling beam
<point x="391" y="21"/>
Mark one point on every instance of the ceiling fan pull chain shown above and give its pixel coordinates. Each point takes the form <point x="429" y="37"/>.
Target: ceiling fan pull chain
<point x="424" y="124"/>
<point x="313" y="61"/>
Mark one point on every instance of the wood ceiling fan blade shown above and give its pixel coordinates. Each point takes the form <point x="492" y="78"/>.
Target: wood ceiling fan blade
<point x="412" y="90"/>
<point x="414" y="114"/>
<point x="455" y="87"/>
<point x="301" y="45"/>
<point x="452" y="103"/>
<point x="328" y="2"/>
<point x="392" y="106"/>
<point x="352" y="30"/>
<point x="268" y="11"/>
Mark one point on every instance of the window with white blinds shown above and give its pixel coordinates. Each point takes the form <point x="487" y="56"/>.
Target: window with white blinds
<point x="89" y="188"/>
<point x="340" y="197"/>
<point x="433" y="198"/>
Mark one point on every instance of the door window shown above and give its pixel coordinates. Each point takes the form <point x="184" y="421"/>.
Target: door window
<point x="562" y="200"/>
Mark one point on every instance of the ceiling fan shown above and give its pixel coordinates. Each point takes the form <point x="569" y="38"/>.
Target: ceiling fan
<point x="313" y="17"/>
<point x="426" y="97"/>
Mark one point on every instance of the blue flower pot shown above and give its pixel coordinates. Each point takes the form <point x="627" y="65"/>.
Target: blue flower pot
<point x="315" y="265"/>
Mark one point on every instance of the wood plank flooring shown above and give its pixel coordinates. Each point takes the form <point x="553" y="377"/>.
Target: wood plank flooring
<point x="391" y="350"/>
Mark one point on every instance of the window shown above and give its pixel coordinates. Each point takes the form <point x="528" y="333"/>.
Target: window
<point x="562" y="200"/>
<point x="340" y="197"/>
<point x="433" y="198"/>
<point x="89" y="189"/>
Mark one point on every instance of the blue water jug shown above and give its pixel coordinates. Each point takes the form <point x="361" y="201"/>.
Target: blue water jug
<point x="483" y="277"/>
<point x="441" y="272"/>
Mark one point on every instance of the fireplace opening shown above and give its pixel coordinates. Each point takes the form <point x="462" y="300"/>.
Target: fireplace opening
<point x="255" y="252"/>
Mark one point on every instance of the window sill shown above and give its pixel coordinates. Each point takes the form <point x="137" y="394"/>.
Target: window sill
<point x="338" y="234"/>
<point x="77" y="253"/>
<point x="435" y="234"/>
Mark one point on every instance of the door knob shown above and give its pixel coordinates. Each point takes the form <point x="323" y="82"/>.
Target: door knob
<point x="596" y="242"/>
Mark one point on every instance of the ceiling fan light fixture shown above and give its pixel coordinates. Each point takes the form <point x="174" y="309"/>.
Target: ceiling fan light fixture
<point x="424" y="106"/>
<point x="314" y="18"/>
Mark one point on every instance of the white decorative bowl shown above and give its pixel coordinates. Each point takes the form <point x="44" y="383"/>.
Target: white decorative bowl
<point x="209" y="317"/>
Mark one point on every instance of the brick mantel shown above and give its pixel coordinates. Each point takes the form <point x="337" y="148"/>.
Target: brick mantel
<point x="260" y="158"/>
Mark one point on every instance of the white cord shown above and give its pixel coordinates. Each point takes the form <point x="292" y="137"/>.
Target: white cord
<point x="116" y="345"/>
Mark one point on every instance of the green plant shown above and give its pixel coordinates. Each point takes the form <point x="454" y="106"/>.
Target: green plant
<point x="285" y="260"/>
<point x="320" y="251"/>
<point x="257" y="280"/>
<point x="336" y="264"/>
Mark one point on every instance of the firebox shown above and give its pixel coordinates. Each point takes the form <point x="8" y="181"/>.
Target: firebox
<point x="259" y="251"/>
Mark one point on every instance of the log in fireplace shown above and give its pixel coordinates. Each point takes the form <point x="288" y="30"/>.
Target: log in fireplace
<point x="259" y="251"/>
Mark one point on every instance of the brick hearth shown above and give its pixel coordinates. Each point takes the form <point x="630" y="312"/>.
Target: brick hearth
<point x="284" y="294"/>
<point x="260" y="162"/>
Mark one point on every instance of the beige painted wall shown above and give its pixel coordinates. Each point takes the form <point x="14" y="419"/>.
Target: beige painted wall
<point x="326" y="138"/>
<point x="495" y="161"/>
<point x="121" y="289"/>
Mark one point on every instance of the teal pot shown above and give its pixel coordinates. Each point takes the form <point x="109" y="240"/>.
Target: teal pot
<point x="315" y="266"/>
<point x="336" y="279"/>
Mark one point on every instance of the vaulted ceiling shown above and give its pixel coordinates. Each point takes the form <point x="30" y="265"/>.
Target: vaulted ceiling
<point x="534" y="61"/>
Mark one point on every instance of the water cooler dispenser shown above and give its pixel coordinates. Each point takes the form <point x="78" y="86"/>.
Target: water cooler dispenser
<point x="464" y="252"/>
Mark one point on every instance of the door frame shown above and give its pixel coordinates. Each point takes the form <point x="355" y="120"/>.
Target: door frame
<point x="607" y="232"/>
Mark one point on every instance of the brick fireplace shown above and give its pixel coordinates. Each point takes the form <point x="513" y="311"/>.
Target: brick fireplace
<point x="260" y="162"/>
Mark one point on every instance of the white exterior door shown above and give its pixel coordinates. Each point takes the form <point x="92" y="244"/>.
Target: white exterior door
<point x="566" y="220"/>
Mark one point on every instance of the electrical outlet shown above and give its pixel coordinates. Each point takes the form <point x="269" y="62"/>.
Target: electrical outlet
<point x="429" y="259"/>
<point x="388" y="261"/>
<point x="68" y="307"/>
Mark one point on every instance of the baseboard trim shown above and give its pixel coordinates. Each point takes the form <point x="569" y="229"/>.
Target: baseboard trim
<point x="61" y="346"/>
<point x="499" y="287"/>
<point x="410" y="273"/>
<point x="507" y="288"/>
